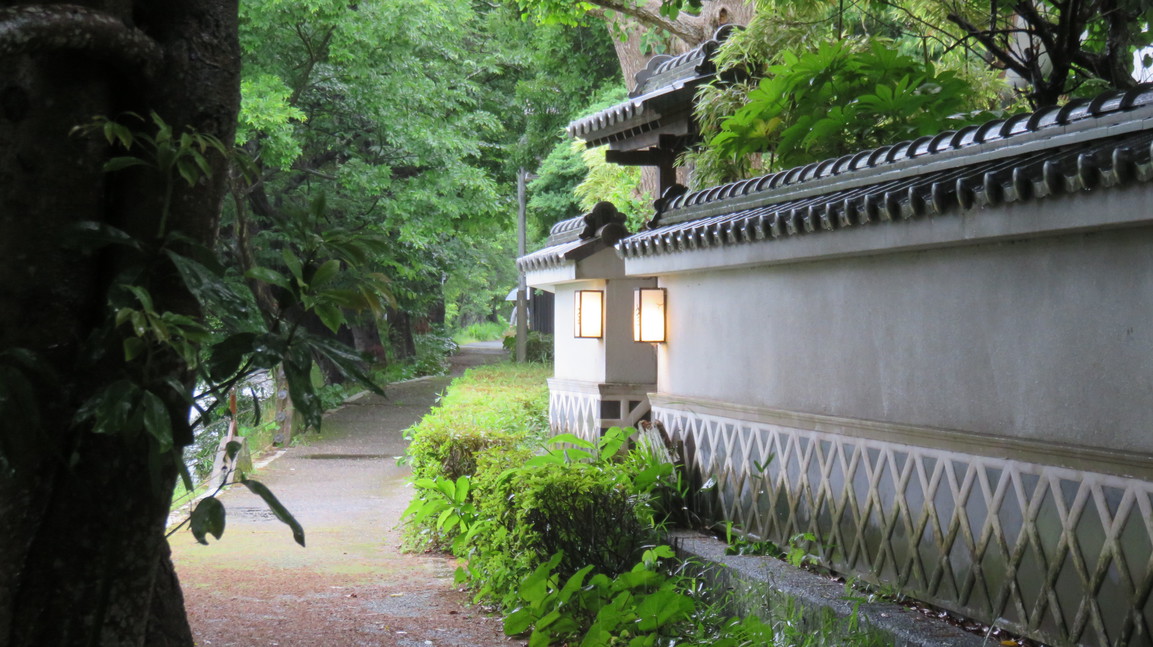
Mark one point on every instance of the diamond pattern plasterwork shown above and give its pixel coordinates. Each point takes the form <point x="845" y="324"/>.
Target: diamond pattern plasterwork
<point x="1057" y="554"/>
<point x="578" y="412"/>
<point x="574" y="413"/>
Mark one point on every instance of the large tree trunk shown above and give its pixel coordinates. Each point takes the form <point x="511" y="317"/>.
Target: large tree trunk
<point x="83" y="559"/>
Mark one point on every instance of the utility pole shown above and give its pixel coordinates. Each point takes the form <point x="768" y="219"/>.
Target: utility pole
<point x="522" y="288"/>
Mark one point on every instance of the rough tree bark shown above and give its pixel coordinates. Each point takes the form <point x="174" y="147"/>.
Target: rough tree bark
<point x="687" y="30"/>
<point x="83" y="559"/>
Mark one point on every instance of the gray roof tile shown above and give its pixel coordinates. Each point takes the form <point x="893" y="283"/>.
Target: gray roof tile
<point x="1084" y="145"/>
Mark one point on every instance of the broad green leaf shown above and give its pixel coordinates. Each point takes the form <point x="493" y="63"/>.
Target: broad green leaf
<point x="274" y="504"/>
<point x="268" y="275"/>
<point x="519" y="621"/>
<point x="292" y="262"/>
<point x="120" y="163"/>
<point x="133" y="348"/>
<point x="325" y="273"/>
<point x="94" y="235"/>
<point x="330" y="316"/>
<point x="573" y="584"/>
<point x="188" y="171"/>
<point x="207" y="519"/>
<point x="226" y="356"/>
<point x="462" y="489"/>
<point x="231" y="449"/>
<point x="157" y="421"/>
<point x="547" y="619"/>
<point x="185" y="476"/>
<point x="571" y="439"/>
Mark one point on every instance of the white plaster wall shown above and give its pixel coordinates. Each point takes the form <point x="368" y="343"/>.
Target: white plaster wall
<point x="575" y="359"/>
<point x="627" y="362"/>
<point x="615" y="358"/>
<point x="1048" y="339"/>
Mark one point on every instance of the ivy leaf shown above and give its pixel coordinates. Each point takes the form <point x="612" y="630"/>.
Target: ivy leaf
<point x="207" y="519"/>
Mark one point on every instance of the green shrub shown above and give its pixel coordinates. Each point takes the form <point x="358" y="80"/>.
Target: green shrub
<point x="481" y="331"/>
<point x="538" y="347"/>
<point x="497" y="409"/>
<point x="444" y="451"/>
<point x="499" y="405"/>
<point x="432" y="353"/>
<point x="584" y="512"/>
<point x="582" y="503"/>
<point x="564" y="541"/>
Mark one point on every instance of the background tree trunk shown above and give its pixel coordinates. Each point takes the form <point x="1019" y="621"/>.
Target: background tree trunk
<point x="82" y="515"/>
<point x="695" y="29"/>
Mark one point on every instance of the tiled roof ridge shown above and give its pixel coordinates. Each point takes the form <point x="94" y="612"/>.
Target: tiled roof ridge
<point x="566" y="230"/>
<point x="925" y="149"/>
<point x="660" y="77"/>
<point x="1103" y="142"/>
<point x="578" y="237"/>
<point x="664" y="68"/>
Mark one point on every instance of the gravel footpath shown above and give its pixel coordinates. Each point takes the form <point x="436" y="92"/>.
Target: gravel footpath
<point x="351" y="586"/>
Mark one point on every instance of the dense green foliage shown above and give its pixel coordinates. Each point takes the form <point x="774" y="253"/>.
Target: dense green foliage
<point x="538" y="347"/>
<point x="578" y="501"/>
<point x="814" y="80"/>
<point x="411" y="120"/>
<point x="811" y="81"/>
<point x="573" y="178"/>
<point x="840" y="98"/>
<point x="567" y="543"/>
<point x="482" y="331"/>
<point x="499" y="404"/>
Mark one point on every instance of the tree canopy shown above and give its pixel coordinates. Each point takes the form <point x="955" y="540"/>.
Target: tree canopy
<point x="811" y="80"/>
<point x="412" y="120"/>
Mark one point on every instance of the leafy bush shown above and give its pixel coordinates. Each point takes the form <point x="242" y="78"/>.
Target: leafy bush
<point x="577" y="501"/>
<point x="538" y="347"/>
<point x="581" y="513"/>
<point x="441" y="451"/>
<point x="564" y="541"/>
<point x="638" y="603"/>
<point x="432" y="353"/>
<point x="843" y="97"/>
<point x="482" y="331"/>
<point x="495" y="405"/>
<point x="498" y="407"/>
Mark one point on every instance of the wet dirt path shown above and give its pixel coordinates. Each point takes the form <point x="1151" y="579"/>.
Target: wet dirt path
<point x="351" y="586"/>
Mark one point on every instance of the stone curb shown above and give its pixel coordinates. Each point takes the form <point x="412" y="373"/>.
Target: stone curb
<point x="906" y="627"/>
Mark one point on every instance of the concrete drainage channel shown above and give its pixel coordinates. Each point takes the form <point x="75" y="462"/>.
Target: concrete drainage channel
<point x="766" y="586"/>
